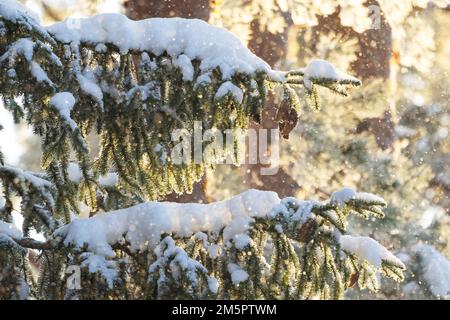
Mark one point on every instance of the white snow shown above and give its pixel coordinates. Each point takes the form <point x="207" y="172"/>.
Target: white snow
<point x="75" y="175"/>
<point x="109" y="179"/>
<point x="213" y="284"/>
<point x="13" y="10"/>
<point x="39" y="73"/>
<point x="144" y="224"/>
<point x="184" y="40"/>
<point x="228" y="87"/>
<point x="90" y="87"/>
<point x="302" y="213"/>
<point x="369" y="197"/>
<point x="185" y="64"/>
<point x="10" y="230"/>
<point x="236" y="230"/>
<point x="368" y="249"/>
<point x="238" y="275"/>
<point x="12" y="73"/>
<point x="204" y="79"/>
<point x="23" y="46"/>
<point x="242" y="240"/>
<point x="34" y="181"/>
<point x="96" y="263"/>
<point x="322" y="69"/>
<point x="189" y="38"/>
<point x="430" y="216"/>
<point x="74" y="172"/>
<point x="212" y="248"/>
<point x="101" y="48"/>
<point x="319" y="69"/>
<point x="279" y="228"/>
<point x="169" y="254"/>
<point x="27" y="176"/>
<point x="84" y="211"/>
<point x="341" y="197"/>
<point x="435" y="269"/>
<point x="150" y="89"/>
<point x="63" y="103"/>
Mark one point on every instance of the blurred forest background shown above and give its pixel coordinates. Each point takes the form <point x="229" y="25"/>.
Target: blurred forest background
<point x="391" y="137"/>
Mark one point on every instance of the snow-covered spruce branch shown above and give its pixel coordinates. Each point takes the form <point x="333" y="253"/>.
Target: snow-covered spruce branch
<point x="220" y="249"/>
<point x="37" y="198"/>
<point x="134" y="82"/>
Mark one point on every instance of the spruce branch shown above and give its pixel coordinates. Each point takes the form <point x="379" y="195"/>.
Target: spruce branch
<point x="135" y="95"/>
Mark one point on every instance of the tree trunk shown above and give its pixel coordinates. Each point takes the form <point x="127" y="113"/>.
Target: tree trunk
<point x="142" y="9"/>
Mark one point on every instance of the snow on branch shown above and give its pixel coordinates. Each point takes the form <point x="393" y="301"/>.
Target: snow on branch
<point x="343" y="196"/>
<point x="10" y="230"/>
<point x="183" y="39"/>
<point x="370" y="250"/>
<point x="232" y="226"/>
<point x="63" y="103"/>
<point x="36" y="191"/>
<point x="194" y="248"/>
<point x="15" y="12"/>
<point x="25" y="176"/>
<point x="321" y="73"/>
<point x="144" y="224"/>
<point x="170" y="264"/>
